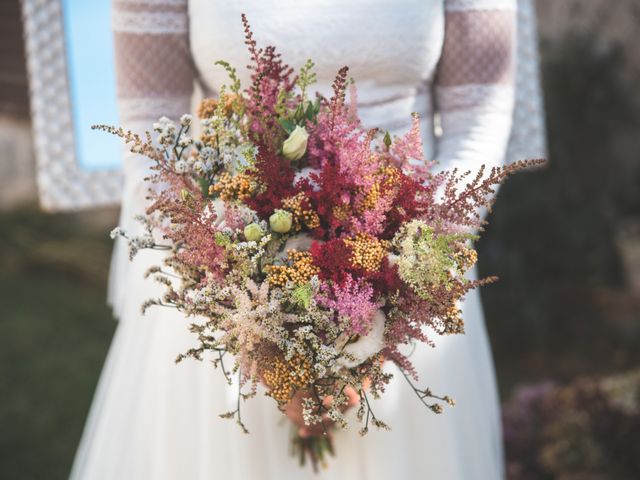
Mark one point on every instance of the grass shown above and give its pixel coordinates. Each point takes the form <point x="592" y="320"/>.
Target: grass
<point x="55" y="330"/>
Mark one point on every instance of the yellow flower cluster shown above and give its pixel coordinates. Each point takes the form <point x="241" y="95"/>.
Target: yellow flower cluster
<point x="299" y="272"/>
<point x="341" y="212"/>
<point x="453" y="323"/>
<point x="208" y="107"/>
<point x="284" y="377"/>
<point x="388" y="178"/>
<point x="301" y="216"/>
<point x="466" y="257"/>
<point x="229" y="187"/>
<point x="366" y="251"/>
<point x="211" y="107"/>
<point x="391" y="177"/>
<point x="371" y="198"/>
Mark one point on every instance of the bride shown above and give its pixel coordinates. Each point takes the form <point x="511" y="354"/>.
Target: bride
<point x="453" y="62"/>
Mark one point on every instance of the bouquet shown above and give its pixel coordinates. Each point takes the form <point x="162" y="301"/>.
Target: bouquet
<point x="307" y="249"/>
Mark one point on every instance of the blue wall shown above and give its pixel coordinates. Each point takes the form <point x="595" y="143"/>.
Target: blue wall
<point x="89" y="44"/>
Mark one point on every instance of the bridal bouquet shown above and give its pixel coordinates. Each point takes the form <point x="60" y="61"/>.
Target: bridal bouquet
<point x="307" y="249"/>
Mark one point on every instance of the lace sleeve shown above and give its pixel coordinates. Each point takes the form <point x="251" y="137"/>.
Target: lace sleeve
<point x="154" y="75"/>
<point x="154" y="71"/>
<point x="474" y="90"/>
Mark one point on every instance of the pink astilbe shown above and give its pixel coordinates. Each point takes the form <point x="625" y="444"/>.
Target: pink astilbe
<point x="341" y="149"/>
<point x="352" y="299"/>
<point x="234" y="218"/>
<point x="465" y="195"/>
<point x="373" y="221"/>
<point x="333" y="132"/>
<point x="270" y="76"/>
<point x="182" y="203"/>
<point x="335" y="128"/>
<point x="408" y="149"/>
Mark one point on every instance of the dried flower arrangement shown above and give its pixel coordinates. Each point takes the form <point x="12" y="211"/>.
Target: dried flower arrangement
<point x="305" y="247"/>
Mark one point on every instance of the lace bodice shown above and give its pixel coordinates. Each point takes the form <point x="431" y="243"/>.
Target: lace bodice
<point x="449" y="60"/>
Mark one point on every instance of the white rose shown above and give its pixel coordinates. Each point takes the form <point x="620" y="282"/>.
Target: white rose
<point x="367" y="345"/>
<point x="295" y="146"/>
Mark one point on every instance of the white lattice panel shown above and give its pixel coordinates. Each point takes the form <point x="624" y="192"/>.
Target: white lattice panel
<point x="62" y="184"/>
<point x="528" y="135"/>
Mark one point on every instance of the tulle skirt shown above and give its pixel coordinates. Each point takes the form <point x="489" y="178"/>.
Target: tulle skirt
<point x="153" y="419"/>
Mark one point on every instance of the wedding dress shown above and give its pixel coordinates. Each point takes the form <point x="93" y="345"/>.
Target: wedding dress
<point x="453" y="62"/>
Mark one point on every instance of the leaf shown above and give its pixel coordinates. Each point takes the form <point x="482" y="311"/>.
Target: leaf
<point x="204" y="186"/>
<point x="288" y="124"/>
<point x="387" y="139"/>
<point x="299" y="113"/>
<point x="310" y="113"/>
<point x="315" y="109"/>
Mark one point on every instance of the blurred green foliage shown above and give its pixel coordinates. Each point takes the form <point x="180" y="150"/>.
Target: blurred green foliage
<point x="55" y="329"/>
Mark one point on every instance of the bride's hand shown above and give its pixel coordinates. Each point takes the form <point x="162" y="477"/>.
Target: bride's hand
<point x="293" y="410"/>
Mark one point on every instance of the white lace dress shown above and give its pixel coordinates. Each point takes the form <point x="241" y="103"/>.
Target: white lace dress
<point x="152" y="419"/>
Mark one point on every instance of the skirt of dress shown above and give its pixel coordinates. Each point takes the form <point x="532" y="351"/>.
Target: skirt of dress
<point x="153" y="419"/>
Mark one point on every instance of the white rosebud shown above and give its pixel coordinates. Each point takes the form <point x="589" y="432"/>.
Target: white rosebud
<point x="281" y="221"/>
<point x="295" y="146"/>
<point x="253" y="232"/>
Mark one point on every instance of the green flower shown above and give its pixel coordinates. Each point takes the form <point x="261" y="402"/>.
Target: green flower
<point x="426" y="258"/>
<point x="222" y="240"/>
<point x="302" y="295"/>
<point x="253" y="232"/>
<point x="280" y="221"/>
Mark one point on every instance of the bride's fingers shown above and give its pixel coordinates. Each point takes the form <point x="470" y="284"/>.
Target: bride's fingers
<point x="293" y="409"/>
<point x="353" y="399"/>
